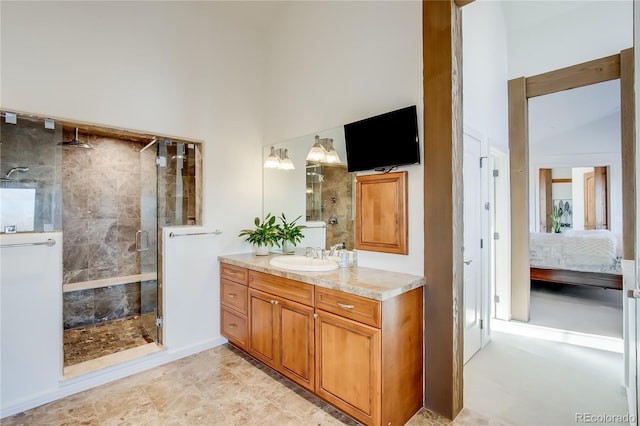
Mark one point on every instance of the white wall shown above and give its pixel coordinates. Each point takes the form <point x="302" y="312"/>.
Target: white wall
<point x="564" y="40"/>
<point x="30" y="316"/>
<point x="592" y="29"/>
<point x="189" y="69"/>
<point x="331" y="63"/>
<point x="485" y="72"/>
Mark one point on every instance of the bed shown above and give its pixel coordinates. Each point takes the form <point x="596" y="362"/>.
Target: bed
<point x="591" y="258"/>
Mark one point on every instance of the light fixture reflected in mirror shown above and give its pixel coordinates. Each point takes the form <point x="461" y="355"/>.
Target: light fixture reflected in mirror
<point x="285" y="161"/>
<point x="272" y="161"/>
<point x="332" y="155"/>
<point x="317" y="153"/>
<point x="323" y="151"/>
<point x="279" y="159"/>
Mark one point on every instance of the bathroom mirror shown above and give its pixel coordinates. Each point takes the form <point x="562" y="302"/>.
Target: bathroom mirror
<point x="321" y="193"/>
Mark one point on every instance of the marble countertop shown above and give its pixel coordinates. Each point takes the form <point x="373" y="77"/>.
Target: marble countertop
<point x="371" y="283"/>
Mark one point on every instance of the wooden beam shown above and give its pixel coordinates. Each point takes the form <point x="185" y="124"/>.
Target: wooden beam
<point x="584" y="74"/>
<point x="443" y="219"/>
<point x="628" y="151"/>
<point x="561" y="180"/>
<point x="519" y="160"/>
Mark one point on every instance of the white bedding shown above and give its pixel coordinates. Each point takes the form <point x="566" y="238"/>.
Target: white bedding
<point x="588" y="251"/>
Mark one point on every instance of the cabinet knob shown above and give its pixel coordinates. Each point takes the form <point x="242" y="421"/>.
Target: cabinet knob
<point x="274" y="302"/>
<point x="231" y="295"/>
<point x="232" y="326"/>
<point x="344" y="306"/>
<point x="316" y="315"/>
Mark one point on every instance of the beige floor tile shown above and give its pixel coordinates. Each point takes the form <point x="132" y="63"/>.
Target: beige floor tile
<point x="220" y="386"/>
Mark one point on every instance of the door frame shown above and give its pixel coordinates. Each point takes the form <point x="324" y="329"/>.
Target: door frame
<point x="520" y="90"/>
<point x="500" y="234"/>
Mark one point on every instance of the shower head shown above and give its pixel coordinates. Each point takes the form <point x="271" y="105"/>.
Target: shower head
<point x="75" y="143"/>
<point x="15" y="169"/>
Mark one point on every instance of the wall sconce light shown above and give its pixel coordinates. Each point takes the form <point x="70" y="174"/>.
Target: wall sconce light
<point x="322" y="151"/>
<point x="279" y="159"/>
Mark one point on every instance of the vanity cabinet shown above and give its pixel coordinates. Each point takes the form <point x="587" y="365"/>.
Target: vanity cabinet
<point x="369" y="355"/>
<point x="281" y="331"/>
<point x="233" y="304"/>
<point x="361" y="355"/>
<point x="348" y="366"/>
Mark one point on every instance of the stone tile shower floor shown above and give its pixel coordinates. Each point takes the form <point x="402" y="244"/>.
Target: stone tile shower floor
<point x="98" y="340"/>
<point x="219" y="386"/>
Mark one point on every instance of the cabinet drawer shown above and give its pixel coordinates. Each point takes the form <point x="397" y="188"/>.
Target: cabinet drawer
<point x="233" y="295"/>
<point x="234" y="273"/>
<point x="234" y="327"/>
<point x="289" y="289"/>
<point x="361" y="309"/>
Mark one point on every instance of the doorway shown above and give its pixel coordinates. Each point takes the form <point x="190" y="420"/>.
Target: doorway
<point x="520" y="90"/>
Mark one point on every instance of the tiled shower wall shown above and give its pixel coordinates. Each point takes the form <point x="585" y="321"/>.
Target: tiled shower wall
<point x="29" y="144"/>
<point x="101" y="213"/>
<point x="337" y="185"/>
<point x="108" y="193"/>
<point x="178" y="207"/>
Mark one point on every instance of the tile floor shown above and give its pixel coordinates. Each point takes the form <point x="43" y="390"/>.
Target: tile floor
<point x="220" y="386"/>
<point x="94" y="341"/>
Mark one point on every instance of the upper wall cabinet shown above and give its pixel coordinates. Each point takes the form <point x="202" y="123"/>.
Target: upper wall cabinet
<point x="381" y="212"/>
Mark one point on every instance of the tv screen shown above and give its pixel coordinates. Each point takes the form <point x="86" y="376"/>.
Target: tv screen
<point x="383" y="141"/>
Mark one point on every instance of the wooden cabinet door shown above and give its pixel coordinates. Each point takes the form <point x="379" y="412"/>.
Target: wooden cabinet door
<point x="263" y="327"/>
<point x="348" y="358"/>
<point x="381" y="213"/>
<point x="281" y="334"/>
<point x="296" y="342"/>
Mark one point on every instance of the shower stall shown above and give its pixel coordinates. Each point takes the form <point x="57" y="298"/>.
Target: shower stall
<point x="109" y="192"/>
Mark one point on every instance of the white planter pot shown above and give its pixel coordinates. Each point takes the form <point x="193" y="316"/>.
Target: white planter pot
<point x="288" y="247"/>
<point x="261" y="250"/>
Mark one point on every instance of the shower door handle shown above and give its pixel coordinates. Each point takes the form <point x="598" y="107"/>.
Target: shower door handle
<point x="139" y="236"/>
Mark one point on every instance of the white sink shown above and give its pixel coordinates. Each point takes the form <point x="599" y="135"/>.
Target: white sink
<point x="303" y="263"/>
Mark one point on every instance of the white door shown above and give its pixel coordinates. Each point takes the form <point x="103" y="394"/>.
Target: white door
<point x="473" y="213"/>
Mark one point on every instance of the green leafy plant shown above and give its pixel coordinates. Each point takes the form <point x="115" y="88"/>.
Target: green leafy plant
<point x="556" y="214"/>
<point x="289" y="231"/>
<point x="266" y="232"/>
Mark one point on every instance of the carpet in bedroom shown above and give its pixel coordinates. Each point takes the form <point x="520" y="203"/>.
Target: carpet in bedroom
<point x="577" y="308"/>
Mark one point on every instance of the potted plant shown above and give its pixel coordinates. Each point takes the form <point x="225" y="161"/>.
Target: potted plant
<point x="556" y="215"/>
<point x="264" y="236"/>
<point x="290" y="233"/>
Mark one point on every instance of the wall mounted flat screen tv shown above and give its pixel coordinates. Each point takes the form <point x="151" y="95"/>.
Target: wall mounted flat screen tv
<point x="384" y="141"/>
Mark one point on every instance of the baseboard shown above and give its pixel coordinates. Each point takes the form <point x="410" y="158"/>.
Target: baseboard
<point x="594" y="341"/>
<point x="110" y="374"/>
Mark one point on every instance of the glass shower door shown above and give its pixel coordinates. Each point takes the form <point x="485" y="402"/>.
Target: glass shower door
<point x="147" y="244"/>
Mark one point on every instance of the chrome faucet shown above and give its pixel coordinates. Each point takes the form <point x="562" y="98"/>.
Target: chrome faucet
<point x="332" y="250"/>
<point x="315" y="253"/>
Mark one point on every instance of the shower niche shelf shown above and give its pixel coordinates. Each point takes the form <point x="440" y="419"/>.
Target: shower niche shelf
<point x="106" y="282"/>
